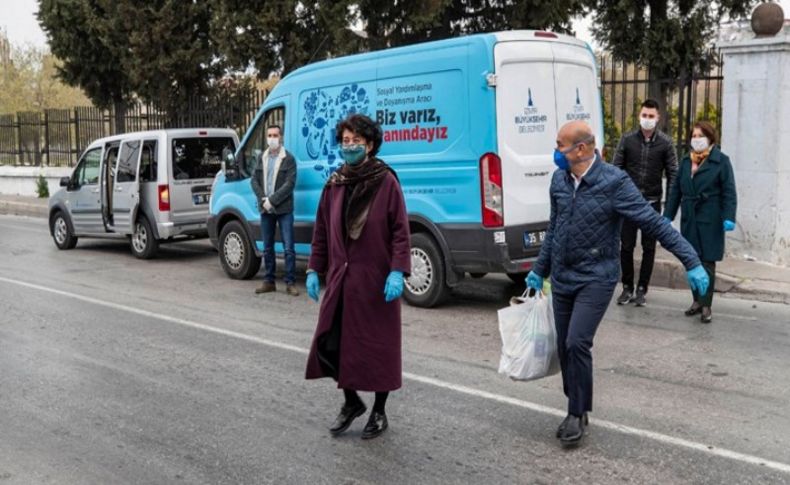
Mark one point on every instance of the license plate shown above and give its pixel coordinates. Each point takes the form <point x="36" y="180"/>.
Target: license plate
<point x="200" y="198"/>
<point x="534" y="238"/>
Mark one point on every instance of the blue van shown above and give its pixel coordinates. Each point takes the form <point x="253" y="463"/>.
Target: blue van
<point x="469" y="126"/>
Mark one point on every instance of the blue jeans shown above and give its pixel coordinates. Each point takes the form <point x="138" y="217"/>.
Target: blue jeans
<point x="576" y="317"/>
<point x="269" y="224"/>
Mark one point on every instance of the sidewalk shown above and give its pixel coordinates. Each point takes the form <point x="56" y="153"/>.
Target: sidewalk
<point x="742" y="279"/>
<point x="21" y="205"/>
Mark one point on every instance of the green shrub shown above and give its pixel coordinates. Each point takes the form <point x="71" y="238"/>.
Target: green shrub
<point x="42" y="187"/>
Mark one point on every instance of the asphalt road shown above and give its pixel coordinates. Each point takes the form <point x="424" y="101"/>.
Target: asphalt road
<point x="114" y="370"/>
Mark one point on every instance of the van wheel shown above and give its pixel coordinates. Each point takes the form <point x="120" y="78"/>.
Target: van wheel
<point x="62" y="234"/>
<point x="426" y="287"/>
<point x="236" y="253"/>
<point x="517" y="278"/>
<point x="143" y="241"/>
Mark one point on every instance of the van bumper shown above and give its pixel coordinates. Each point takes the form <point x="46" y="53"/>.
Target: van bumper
<point x="169" y="230"/>
<point x="474" y="249"/>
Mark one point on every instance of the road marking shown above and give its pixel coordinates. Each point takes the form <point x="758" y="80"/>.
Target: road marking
<point x="610" y="425"/>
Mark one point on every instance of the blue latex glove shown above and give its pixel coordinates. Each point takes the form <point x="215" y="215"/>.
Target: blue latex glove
<point x="698" y="279"/>
<point x="729" y="226"/>
<point x="534" y="281"/>
<point x="313" y="286"/>
<point x="393" y="289"/>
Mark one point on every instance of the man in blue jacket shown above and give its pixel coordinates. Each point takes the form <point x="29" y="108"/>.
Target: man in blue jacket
<point x="589" y="201"/>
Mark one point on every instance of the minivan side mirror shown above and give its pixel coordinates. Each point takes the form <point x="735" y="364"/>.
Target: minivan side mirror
<point x="65" y="181"/>
<point x="231" y="166"/>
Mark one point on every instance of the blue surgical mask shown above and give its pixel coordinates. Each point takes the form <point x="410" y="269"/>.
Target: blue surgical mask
<point x="560" y="160"/>
<point x="353" y="154"/>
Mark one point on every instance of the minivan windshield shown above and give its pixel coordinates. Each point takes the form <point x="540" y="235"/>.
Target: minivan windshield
<point x="199" y="158"/>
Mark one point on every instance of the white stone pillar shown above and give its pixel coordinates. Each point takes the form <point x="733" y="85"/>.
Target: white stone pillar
<point x="756" y="136"/>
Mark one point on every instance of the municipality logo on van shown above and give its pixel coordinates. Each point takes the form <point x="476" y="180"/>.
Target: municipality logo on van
<point x="579" y="112"/>
<point x="322" y="110"/>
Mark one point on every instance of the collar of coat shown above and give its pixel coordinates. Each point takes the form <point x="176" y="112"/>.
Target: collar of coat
<point x="277" y="163"/>
<point x="592" y="176"/>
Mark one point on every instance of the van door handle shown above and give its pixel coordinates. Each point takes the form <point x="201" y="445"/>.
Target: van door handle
<point x="119" y="189"/>
<point x="95" y="191"/>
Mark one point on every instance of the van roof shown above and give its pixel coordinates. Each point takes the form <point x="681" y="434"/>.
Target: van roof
<point x="171" y="131"/>
<point x="504" y="36"/>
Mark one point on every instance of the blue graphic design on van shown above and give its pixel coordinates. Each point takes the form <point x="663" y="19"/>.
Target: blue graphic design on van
<point x="323" y="108"/>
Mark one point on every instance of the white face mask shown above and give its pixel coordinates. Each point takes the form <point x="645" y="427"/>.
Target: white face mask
<point x="273" y="142"/>
<point x="648" y="124"/>
<point x="700" y="144"/>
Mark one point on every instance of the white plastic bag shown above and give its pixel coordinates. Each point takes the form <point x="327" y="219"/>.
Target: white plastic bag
<point x="529" y="339"/>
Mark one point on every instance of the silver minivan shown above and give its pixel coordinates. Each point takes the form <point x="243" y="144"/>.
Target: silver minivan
<point x="151" y="186"/>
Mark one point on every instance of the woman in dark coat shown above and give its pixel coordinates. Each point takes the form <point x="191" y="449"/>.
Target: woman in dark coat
<point x="705" y="193"/>
<point x="361" y="243"/>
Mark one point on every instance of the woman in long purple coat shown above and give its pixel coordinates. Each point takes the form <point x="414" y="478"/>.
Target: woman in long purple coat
<point x="361" y="243"/>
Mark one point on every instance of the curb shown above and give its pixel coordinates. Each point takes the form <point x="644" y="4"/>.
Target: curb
<point x="8" y="207"/>
<point x="672" y="275"/>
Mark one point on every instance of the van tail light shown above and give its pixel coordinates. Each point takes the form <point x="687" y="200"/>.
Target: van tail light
<point x="491" y="190"/>
<point x="546" y="35"/>
<point x="164" y="198"/>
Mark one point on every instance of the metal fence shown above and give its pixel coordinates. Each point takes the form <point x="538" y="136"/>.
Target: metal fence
<point x="624" y="86"/>
<point x="56" y="137"/>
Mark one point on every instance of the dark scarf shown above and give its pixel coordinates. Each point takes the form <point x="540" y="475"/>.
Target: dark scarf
<point x="362" y="182"/>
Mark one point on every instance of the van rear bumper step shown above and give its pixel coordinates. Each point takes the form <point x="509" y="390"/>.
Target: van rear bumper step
<point x="474" y="249"/>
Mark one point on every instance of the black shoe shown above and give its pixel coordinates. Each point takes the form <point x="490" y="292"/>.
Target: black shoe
<point x="693" y="309"/>
<point x="377" y="424"/>
<point x="347" y="416"/>
<point x="573" y="432"/>
<point x="625" y="296"/>
<point x="564" y="424"/>
<point x="639" y="299"/>
<point x="707" y="315"/>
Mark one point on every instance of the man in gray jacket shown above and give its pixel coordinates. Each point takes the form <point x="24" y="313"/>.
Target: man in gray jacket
<point x="273" y="182"/>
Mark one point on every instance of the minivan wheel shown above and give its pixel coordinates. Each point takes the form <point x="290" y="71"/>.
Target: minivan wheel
<point x="236" y="253"/>
<point x="143" y="241"/>
<point x="61" y="231"/>
<point x="426" y="287"/>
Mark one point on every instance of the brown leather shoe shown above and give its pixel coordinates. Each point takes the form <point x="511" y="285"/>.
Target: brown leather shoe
<point x="291" y="290"/>
<point x="266" y="287"/>
<point x="707" y="315"/>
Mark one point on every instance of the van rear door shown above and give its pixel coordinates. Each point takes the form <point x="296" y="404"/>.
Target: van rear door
<point x="194" y="161"/>
<point x="526" y="128"/>
<point x="576" y="87"/>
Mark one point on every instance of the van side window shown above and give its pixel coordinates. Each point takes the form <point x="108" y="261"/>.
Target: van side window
<point x="127" y="162"/>
<point x="87" y="172"/>
<point x="199" y="157"/>
<point x="148" y="162"/>
<point x="256" y="144"/>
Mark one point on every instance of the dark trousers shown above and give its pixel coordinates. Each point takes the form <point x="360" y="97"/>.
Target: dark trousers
<point x="628" y="243"/>
<point x="707" y="298"/>
<point x="269" y="223"/>
<point x="576" y="317"/>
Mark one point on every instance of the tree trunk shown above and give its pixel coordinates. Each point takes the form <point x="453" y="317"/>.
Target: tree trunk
<point x="658" y="89"/>
<point x="119" y="111"/>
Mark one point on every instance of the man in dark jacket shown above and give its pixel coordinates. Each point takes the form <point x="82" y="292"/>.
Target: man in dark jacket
<point x="647" y="155"/>
<point x="273" y="182"/>
<point x="589" y="201"/>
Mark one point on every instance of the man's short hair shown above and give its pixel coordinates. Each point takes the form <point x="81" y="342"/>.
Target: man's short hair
<point x="651" y="104"/>
<point x="279" y="128"/>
